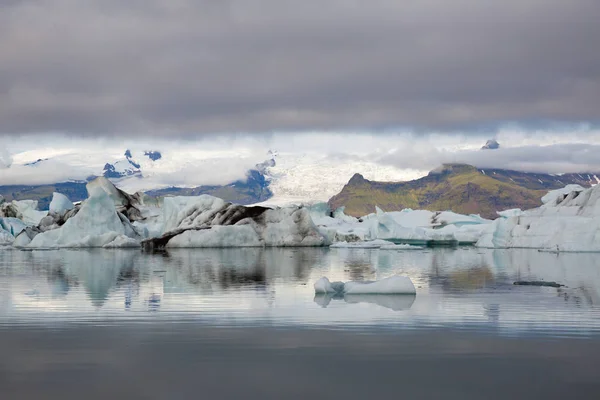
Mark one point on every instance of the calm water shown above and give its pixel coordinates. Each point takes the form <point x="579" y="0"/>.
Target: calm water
<point x="245" y="323"/>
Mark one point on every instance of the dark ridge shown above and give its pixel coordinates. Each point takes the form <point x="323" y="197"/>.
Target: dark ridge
<point x="153" y="155"/>
<point x="39" y="160"/>
<point x="356" y="179"/>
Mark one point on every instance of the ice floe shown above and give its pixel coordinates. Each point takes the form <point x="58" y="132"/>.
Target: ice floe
<point x="392" y="285"/>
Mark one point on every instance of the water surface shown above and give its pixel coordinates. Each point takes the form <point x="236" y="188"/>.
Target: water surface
<point x="234" y="323"/>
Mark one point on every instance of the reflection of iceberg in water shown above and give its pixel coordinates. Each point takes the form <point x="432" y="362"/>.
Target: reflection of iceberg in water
<point x="97" y="271"/>
<point x="395" y="302"/>
<point x="156" y="285"/>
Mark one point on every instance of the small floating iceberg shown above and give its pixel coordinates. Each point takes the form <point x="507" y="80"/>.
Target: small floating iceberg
<point x="400" y="247"/>
<point x="372" y="244"/>
<point x="392" y="285"/>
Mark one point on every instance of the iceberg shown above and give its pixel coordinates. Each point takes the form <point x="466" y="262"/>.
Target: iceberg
<point x="13" y="226"/>
<point x="25" y="210"/>
<point x="207" y="221"/>
<point x="392" y="285"/>
<point x="60" y="204"/>
<point x="128" y="205"/>
<point x="400" y="247"/>
<point x="371" y="244"/>
<point x="97" y="224"/>
<point x="565" y="222"/>
<point x="417" y="227"/>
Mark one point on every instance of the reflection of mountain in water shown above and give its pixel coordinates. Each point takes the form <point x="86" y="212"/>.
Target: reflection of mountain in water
<point x="469" y="273"/>
<point x="60" y="281"/>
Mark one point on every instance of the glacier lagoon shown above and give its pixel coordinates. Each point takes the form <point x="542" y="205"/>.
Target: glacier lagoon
<point x="125" y="323"/>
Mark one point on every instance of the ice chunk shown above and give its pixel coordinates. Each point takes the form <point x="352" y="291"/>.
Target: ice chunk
<point x="554" y="195"/>
<point x="123" y="241"/>
<point x="60" y="204"/>
<point x="6" y="238"/>
<point x="28" y="211"/>
<point x="323" y="285"/>
<point x="207" y="221"/>
<point x="400" y="247"/>
<point x="513" y="212"/>
<point x="96" y="224"/>
<point x="124" y="203"/>
<point x="570" y="223"/>
<point x="13" y="226"/>
<point x="372" y="244"/>
<point x="392" y="285"/>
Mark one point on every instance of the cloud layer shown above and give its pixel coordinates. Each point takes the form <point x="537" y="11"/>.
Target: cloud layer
<point x="200" y="66"/>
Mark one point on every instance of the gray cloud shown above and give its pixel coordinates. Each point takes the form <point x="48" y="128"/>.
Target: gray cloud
<point x="557" y="158"/>
<point x="159" y="67"/>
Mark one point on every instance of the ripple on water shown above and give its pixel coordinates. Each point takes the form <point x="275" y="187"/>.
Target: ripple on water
<point x="464" y="289"/>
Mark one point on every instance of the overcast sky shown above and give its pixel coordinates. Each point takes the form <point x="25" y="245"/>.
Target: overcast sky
<point x="201" y="66"/>
<point x="403" y="83"/>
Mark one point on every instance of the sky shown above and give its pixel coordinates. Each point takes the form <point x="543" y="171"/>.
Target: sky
<point x="409" y="84"/>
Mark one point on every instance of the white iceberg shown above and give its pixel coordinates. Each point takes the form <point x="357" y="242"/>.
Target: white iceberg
<point x="97" y="224"/>
<point x="13" y="226"/>
<point x="60" y="204"/>
<point x="566" y="222"/>
<point x="371" y="244"/>
<point x="6" y="238"/>
<point x="28" y="212"/>
<point x="400" y="247"/>
<point x="392" y="285"/>
<point x="418" y="227"/>
<point x="207" y="221"/>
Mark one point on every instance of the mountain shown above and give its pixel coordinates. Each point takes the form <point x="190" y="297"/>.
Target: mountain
<point x="457" y="187"/>
<point x="491" y="144"/>
<point x="135" y="169"/>
<point x="123" y="168"/>
<point x="75" y="191"/>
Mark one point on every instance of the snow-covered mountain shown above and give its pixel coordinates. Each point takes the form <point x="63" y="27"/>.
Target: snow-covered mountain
<point x="122" y="168"/>
<point x="491" y="144"/>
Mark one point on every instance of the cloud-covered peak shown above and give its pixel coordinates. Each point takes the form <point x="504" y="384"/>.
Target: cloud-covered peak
<point x="491" y="144"/>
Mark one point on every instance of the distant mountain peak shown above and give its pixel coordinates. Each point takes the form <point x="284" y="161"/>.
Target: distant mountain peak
<point x="153" y="155"/>
<point x="356" y="178"/>
<point x="122" y="168"/>
<point x="491" y="144"/>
